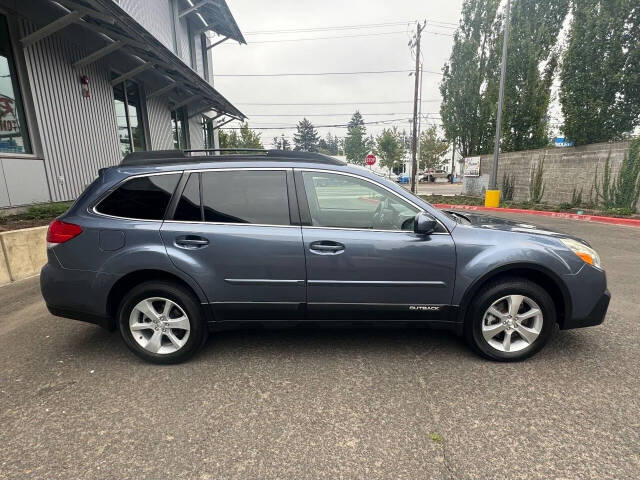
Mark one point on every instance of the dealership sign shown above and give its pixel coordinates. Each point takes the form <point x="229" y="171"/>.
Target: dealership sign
<point x="9" y="126"/>
<point x="472" y="167"/>
<point x="562" y="142"/>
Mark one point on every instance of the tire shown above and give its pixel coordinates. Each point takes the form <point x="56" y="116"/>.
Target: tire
<point x="177" y="329"/>
<point x="528" y="332"/>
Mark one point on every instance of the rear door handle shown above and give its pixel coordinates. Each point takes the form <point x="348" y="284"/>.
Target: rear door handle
<point x="326" y="247"/>
<point x="191" y="242"/>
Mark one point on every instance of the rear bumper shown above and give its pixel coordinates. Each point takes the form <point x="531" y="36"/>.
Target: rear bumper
<point x="71" y="294"/>
<point x="595" y="317"/>
<point x="104" y="322"/>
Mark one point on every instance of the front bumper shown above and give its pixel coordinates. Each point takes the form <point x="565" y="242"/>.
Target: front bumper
<point x="595" y="317"/>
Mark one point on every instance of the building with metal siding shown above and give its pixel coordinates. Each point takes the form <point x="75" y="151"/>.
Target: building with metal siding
<point x="86" y="81"/>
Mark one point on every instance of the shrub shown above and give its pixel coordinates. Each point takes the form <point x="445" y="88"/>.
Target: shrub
<point x="623" y="191"/>
<point x="536" y="183"/>
<point x="507" y="187"/>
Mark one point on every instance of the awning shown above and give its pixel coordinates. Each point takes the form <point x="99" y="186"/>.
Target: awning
<point x="113" y="36"/>
<point x="217" y="16"/>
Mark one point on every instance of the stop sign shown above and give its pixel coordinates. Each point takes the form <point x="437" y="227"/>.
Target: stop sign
<point x="370" y="159"/>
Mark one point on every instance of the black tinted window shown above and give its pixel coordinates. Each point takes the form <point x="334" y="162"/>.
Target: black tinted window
<point x="188" y="207"/>
<point x="143" y="197"/>
<point x="245" y="197"/>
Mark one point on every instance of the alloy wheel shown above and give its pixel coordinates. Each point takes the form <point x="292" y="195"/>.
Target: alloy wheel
<point x="159" y="325"/>
<point x="512" y="323"/>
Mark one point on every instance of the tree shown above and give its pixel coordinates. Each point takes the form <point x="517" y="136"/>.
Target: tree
<point x="247" y="138"/>
<point x="306" y="137"/>
<point x="330" y="145"/>
<point x="432" y="149"/>
<point x="389" y="148"/>
<point x="281" y="143"/>
<point x="531" y="65"/>
<point x="468" y="107"/>
<point x="600" y="77"/>
<point x="356" y="143"/>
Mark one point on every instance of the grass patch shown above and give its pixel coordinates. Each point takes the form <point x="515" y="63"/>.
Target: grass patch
<point x="43" y="211"/>
<point x="436" y="438"/>
<point x="454" y="200"/>
<point x="34" y="216"/>
<point x="563" y="207"/>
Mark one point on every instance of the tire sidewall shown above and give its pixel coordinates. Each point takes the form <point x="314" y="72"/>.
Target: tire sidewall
<point x="179" y="295"/>
<point x="488" y="296"/>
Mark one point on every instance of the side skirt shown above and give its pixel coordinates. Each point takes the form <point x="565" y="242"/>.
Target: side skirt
<point x="321" y="312"/>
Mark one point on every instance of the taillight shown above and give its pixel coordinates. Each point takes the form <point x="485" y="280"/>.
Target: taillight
<point x="60" y="232"/>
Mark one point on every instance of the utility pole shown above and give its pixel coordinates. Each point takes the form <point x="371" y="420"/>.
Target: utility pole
<point x="419" y="114"/>
<point x="492" y="197"/>
<point x="453" y="159"/>
<point x="414" y="138"/>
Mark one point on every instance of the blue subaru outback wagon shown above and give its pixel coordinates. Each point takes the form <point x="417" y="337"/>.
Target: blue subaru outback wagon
<point x="169" y="245"/>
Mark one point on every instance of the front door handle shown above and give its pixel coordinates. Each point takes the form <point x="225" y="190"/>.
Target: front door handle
<point x="191" y="242"/>
<point x="326" y="247"/>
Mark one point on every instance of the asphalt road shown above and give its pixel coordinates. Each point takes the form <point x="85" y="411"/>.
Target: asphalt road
<point x="307" y="403"/>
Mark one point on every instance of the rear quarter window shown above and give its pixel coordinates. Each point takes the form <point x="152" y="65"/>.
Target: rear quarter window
<point x="144" y="198"/>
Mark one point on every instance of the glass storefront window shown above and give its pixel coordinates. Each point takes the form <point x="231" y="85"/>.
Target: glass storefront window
<point x="13" y="128"/>
<point x="207" y="132"/>
<point x="128" y="105"/>
<point x="179" y="129"/>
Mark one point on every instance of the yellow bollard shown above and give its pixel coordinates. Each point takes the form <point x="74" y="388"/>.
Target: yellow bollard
<point x="492" y="198"/>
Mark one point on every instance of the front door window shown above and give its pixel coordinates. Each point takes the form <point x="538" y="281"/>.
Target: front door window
<point x="343" y="201"/>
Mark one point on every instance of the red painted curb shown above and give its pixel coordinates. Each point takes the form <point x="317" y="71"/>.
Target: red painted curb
<point x="630" y="222"/>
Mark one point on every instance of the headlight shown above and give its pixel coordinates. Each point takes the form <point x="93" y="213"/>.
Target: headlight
<point x="586" y="253"/>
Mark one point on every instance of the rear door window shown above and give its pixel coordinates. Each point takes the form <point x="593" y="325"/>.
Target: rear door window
<point x="246" y="196"/>
<point x="144" y="198"/>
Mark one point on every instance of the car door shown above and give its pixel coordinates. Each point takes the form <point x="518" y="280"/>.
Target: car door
<point x="363" y="259"/>
<point x="237" y="233"/>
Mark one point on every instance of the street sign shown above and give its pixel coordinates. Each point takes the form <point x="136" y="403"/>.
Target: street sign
<point x="472" y="167"/>
<point x="370" y="159"/>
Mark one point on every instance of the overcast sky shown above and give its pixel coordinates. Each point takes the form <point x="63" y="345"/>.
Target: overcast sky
<point x="384" y="48"/>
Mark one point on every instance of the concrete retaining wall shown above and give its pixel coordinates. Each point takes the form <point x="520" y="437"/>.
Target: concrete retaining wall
<point x="564" y="169"/>
<point x="24" y="252"/>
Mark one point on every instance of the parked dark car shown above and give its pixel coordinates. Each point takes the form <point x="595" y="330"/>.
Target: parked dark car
<point x="167" y="247"/>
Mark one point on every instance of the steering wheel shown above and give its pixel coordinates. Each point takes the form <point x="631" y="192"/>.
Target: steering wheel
<point x="378" y="215"/>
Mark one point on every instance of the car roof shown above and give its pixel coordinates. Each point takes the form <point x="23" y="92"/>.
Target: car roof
<point x="198" y="157"/>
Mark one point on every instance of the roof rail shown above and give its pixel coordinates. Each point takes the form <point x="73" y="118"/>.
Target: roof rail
<point x="232" y="154"/>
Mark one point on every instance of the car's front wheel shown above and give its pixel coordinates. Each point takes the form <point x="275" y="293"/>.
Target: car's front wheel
<point x="161" y="322"/>
<point x="510" y="319"/>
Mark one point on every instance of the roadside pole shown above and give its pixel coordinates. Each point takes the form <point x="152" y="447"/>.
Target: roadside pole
<point x="414" y="139"/>
<point x="453" y="159"/>
<point x="492" y="195"/>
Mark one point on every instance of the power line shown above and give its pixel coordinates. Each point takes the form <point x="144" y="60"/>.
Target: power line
<point x="253" y="42"/>
<point x="334" y="37"/>
<point x="309" y="74"/>
<point x="436" y="23"/>
<point x="331" y="114"/>
<point x="337" y="103"/>
<point x="321" y="29"/>
<point x="284" y="127"/>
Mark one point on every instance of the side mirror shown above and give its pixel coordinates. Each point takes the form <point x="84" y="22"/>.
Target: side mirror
<point x="424" y="224"/>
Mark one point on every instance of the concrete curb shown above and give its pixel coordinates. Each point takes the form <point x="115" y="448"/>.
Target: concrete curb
<point x="24" y="252"/>
<point x="629" y="222"/>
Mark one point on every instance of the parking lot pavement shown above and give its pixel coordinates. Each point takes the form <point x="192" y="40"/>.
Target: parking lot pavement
<point x="313" y="403"/>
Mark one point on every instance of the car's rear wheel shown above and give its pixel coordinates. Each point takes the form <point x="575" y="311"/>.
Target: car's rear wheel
<point x="510" y="319"/>
<point x="161" y="322"/>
